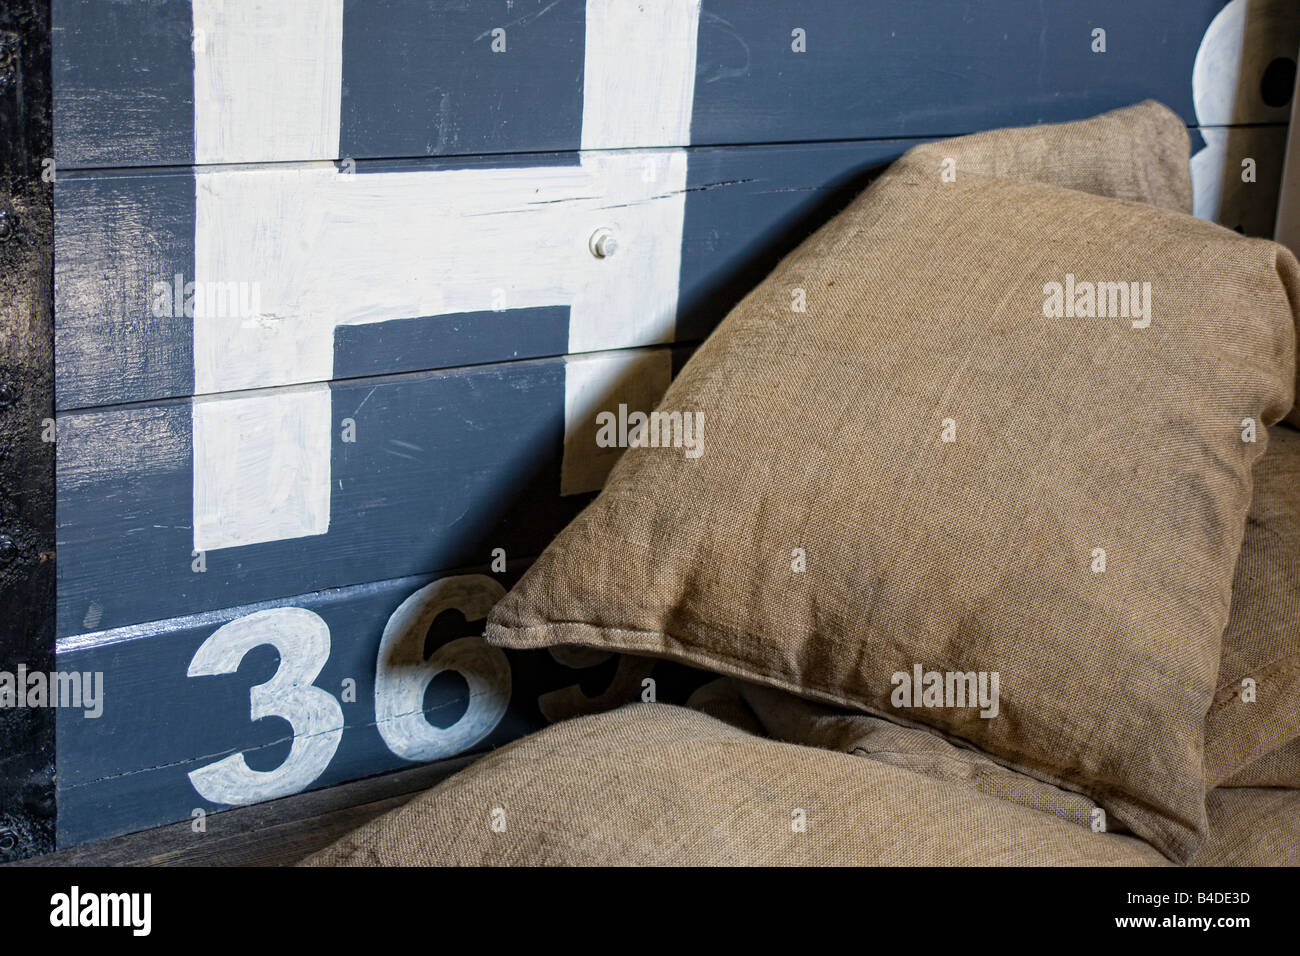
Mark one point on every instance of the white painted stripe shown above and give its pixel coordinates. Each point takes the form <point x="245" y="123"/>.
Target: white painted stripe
<point x="274" y="438"/>
<point x="326" y="249"/>
<point x="267" y="79"/>
<point x="210" y="620"/>
<point x="639" y="73"/>
<point x="600" y="382"/>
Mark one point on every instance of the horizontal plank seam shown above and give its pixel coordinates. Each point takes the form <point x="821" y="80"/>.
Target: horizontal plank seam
<point x="92" y="172"/>
<point x="145" y="630"/>
<point x="361" y="380"/>
<point x="188" y="761"/>
<point x="371" y="790"/>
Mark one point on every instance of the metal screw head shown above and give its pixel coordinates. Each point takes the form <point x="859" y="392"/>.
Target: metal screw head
<point x="6" y="225"/>
<point x="602" y="244"/>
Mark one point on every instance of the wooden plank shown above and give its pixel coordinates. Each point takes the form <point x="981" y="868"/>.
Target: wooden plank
<point x="933" y="68"/>
<point x="747" y="207"/>
<point x="129" y="473"/>
<point x="1231" y="195"/>
<point x="276" y="833"/>
<point x="174" y="712"/>
<point x="123" y="82"/>
<point x="430" y="77"/>
<point x="480" y="297"/>
<point x="26" y="408"/>
<point x="420" y="472"/>
<point x="130" y="767"/>
<point x="454" y="454"/>
<point x="121" y="236"/>
<point x="463" y="98"/>
<point x="116" y="238"/>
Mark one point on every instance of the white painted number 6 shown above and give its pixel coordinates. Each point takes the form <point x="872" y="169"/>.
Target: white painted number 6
<point x="303" y="640"/>
<point x="402" y="674"/>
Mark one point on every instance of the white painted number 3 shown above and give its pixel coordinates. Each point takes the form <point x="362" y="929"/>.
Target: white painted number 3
<point x="303" y="640"/>
<point x="402" y="676"/>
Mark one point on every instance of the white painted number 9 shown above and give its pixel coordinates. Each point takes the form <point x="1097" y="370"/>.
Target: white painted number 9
<point x="303" y="640"/>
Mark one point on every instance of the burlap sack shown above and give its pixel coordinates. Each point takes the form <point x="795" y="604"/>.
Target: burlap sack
<point x="1139" y="153"/>
<point x="1263" y="635"/>
<point x="794" y="720"/>
<point x="1248" y="722"/>
<point x="1252" y="739"/>
<point x="1252" y="827"/>
<point x="1077" y="537"/>
<point x="652" y="784"/>
<point x="1278" y="768"/>
<point x="1256" y="827"/>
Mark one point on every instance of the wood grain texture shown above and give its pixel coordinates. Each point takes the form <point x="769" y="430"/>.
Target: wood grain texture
<point x="216" y="141"/>
<point x="116" y="238"/>
<point x="130" y="768"/>
<point x="141" y="762"/>
<point x="446" y="466"/>
<point x="277" y="833"/>
<point x="880" y="68"/>
<point x="123" y="82"/>
<point x="266" y="79"/>
<point x="742" y="209"/>
<point x="120" y="235"/>
<point x="420" y="78"/>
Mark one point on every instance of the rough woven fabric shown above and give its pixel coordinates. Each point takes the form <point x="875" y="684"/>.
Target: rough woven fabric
<point x="1248" y="744"/>
<point x="1262" y="641"/>
<point x="1137" y="153"/>
<point x="1263" y="635"/>
<point x="774" y="713"/>
<point x="1259" y="827"/>
<point x="1278" y="768"/>
<point x="925" y="306"/>
<point x="653" y="784"/>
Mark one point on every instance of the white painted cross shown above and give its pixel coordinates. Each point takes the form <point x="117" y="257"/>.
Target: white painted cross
<point x="327" y="248"/>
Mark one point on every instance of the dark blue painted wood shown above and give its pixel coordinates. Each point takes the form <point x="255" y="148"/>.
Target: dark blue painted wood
<point x="418" y="79"/>
<point x="123" y="82"/>
<point x="446" y="341"/>
<point x="747" y="207"/>
<point x="119" y="234"/>
<point x="128" y="769"/>
<point x="116" y="237"/>
<point x="447" y="464"/>
<point x="933" y="67"/>
<point x="446" y="467"/>
<point x="456" y="96"/>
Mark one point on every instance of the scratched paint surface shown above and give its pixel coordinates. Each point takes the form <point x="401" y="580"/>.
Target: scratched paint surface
<point x="422" y="78"/>
<point x="446" y="466"/>
<point x="260" y="503"/>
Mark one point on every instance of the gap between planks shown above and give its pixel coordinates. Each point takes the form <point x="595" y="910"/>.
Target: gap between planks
<point x="277" y="833"/>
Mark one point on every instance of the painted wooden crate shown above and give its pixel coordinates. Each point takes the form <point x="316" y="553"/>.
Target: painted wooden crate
<point x="332" y="320"/>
